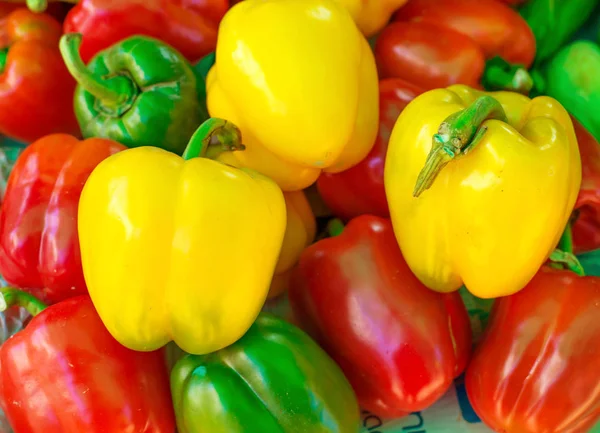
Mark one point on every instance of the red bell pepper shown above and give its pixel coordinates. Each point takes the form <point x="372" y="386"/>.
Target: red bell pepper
<point x="586" y="225"/>
<point x="190" y="26"/>
<point x="537" y="368"/>
<point x="434" y="43"/>
<point x="399" y="344"/>
<point x="36" y="90"/>
<point x="359" y="190"/>
<point x="39" y="245"/>
<point x="65" y="373"/>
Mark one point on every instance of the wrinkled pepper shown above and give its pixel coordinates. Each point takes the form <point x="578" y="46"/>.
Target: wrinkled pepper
<point x="359" y="190"/>
<point x="39" y="246"/>
<point x="64" y="373"/>
<point x="434" y="44"/>
<point x="139" y="92"/>
<point x="573" y="78"/>
<point x="169" y="244"/>
<point x="311" y="108"/>
<point x="586" y="216"/>
<point x="461" y="166"/>
<point x="416" y="342"/>
<point x="34" y="101"/>
<point x="554" y="22"/>
<point x="372" y="15"/>
<point x="537" y="368"/>
<point x="275" y="379"/>
<point x="300" y="231"/>
<point x="188" y="26"/>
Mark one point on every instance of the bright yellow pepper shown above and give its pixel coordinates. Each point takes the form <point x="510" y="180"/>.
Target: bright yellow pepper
<point x="179" y="248"/>
<point x="372" y="15"/>
<point x="484" y="199"/>
<point x="300" y="232"/>
<point x="299" y="80"/>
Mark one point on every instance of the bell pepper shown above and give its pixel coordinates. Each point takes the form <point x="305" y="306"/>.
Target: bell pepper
<point x="313" y="107"/>
<point x="275" y="379"/>
<point x="586" y="216"/>
<point x="64" y="373"/>
<point x="139" y="92"/>
<point x="399" y="344"/>
<point x="436" y="44"/>
<point x="573" y="78"/>
<point x="492" y="216"/>
<point x="188" y="26"/>
<point x="554" y="22"/>
<point x="359" y="190"/>
<point x="372" y="15"/>
<point x="39" y="246"/>
<point x="300" y="231"/>
<point x="178" y="248"/>
<point x="537" y="368"/>
<point x="43" y="93"/>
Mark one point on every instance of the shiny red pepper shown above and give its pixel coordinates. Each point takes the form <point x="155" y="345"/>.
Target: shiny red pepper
<point x="586" y="225"/>
<point x="65" y="373"/>
<point x="399" y="344"/>
<point x="537" y="369"/>
<point x="359" y="190"/>
<point x="434" y="43"/>
<point x="39" y="245"/>
<point x="36" y="90"/>
<point x="190" y="26"/>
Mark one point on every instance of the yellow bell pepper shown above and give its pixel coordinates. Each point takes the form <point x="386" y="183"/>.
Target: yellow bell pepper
<point x="480" y="187"/>
<point x="179" y="248"/>
<point x="372" y="15"/>
<point x="299" y="80"/>
<point x="300" y="232"/>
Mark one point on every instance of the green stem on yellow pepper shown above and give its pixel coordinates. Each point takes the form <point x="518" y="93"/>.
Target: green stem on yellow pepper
<point x="213" y="137"/>
<point x="458" y="134"/>
<point x="501" y="75"/>
<point x="11" y="297"/>
<point x="116" y="94"/>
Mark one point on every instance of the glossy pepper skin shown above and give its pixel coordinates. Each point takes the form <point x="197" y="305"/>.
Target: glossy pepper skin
<point x="436" y="44"/>
<point x="586" y="216"/>
<point x="44" y="92"/>
<point x="572" y="77"/>
<point x="300" y="231"/>
<point x="39" y="246"/>
<point x="311" y="108"/>
<point x="359" y="190"/>
<point x="538" y="366"/>
<point x="275" y="379"/>
<point x="64" y="373"/>
<point x="188" y="26"/>
<point x="355" y="295"/>
<point x="139" y="92"/>
<point x="372" y="15"/>
<point x="169" y="245"/>
<point x="455" y="218"/>
<point x="554" y="22"/>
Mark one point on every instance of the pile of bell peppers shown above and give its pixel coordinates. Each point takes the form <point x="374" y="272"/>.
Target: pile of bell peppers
<point x="184" y="167"/>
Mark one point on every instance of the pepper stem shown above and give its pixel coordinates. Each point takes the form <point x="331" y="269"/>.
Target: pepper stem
<point x="3" y="57"/>
<point x="116" y="93"/>
<point x="11" y="297"/>
<point x="457" y="135"/>
<point x="566" y="240"/>
<point x="39" y="5"/>
<point x="212" y="138"/>
<point x="335" y="227"/>
<point x="501" y="75"/>
<point x="561" y="259"/>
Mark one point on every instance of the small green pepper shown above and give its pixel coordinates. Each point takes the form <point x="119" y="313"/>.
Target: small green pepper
<point x="139" y="92"/>
<point x="554" y="22"/>
<point x="275" y="379"/>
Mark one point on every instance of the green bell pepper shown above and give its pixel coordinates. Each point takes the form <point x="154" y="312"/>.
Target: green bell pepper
<point x="553" y="22"/>
<point x="139" y="92"/>
<point x="573" y="78"/>
<point x="275" y="379"/>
